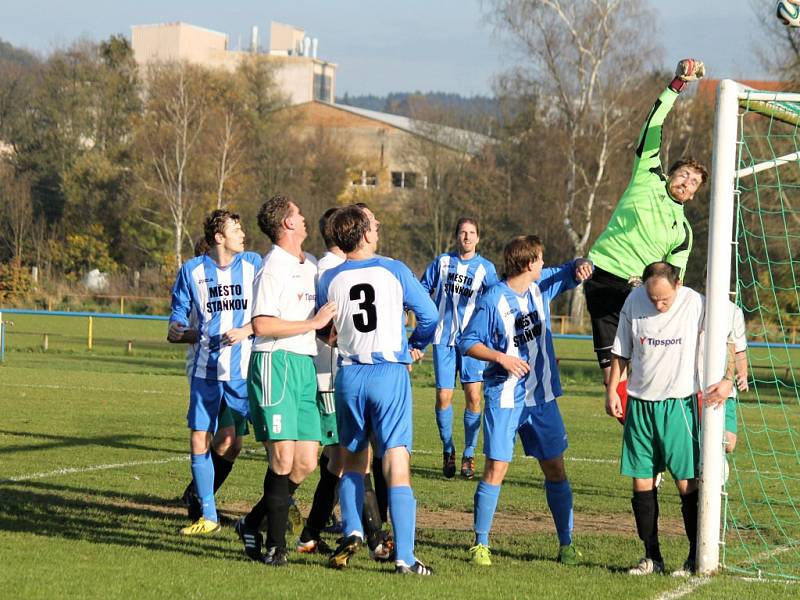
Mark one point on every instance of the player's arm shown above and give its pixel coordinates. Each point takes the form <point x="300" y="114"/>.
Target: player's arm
<point x="237" y="334"/>
<point x="417" y="299"/>
<point x="555" y="280"/>
<point x="513" y="364"/>
<point x="268" y="326"/>
<point x="178" y="331"/>
<point x="648" y="148"/>
<point x="613" y="403"/>
<point x="740" y="361"/>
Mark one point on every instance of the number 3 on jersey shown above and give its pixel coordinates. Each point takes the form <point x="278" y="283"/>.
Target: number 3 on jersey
<point x="367" y="319"/>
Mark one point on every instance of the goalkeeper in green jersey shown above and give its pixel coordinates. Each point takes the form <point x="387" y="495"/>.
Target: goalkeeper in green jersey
<point x="648" y="224"/>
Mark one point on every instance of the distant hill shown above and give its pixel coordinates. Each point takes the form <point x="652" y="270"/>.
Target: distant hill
<point x="12" y="54"/>
<point x="417" y="104"/>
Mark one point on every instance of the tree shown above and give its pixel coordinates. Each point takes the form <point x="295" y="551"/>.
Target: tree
<point x="16" y="213"/>
<point x="579" y="60"/>
<point x="175" y="114"/>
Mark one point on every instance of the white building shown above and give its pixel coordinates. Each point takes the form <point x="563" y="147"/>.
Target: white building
<point x="299" y="74"/>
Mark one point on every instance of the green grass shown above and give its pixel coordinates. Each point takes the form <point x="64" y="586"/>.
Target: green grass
<point x="93" y="450"/>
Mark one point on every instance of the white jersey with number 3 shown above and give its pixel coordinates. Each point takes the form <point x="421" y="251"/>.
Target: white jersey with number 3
<point x="371" y="296"/>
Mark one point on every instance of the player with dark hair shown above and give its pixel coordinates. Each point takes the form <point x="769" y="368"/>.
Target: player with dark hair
<point x="373" y="389"/>
<point x="658" y="335"/>
<point x="216" y="291"/>
<point x="648" y="223"/>
<point x="511" y="332"/>
<point x="455" y="281"/>
<point x="282" y="382"/>
<point x="379" y="542"/>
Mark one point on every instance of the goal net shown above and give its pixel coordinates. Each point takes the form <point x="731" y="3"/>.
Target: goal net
<point x="754" y="260"/>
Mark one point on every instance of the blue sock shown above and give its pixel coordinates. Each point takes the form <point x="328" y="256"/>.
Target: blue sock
<point x="559" y="499"/>
<point x="444" y="421"/>
<point x="351" y="502"/>
<point x="403" y="508"/>
<point x="203" y="474"/>
<point x="485" y="505"/>
<point x="472" y="426"/>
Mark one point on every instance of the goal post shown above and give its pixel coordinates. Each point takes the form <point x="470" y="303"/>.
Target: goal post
<point x="718" y="287"/>
<point x="751" y="524"/>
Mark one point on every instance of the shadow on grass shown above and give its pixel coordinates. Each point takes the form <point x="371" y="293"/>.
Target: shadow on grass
<point x="104" y="517"/>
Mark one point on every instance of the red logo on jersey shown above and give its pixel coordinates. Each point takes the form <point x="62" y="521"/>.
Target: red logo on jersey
<point x="642" y="340"/>
<point x="300" y="296"/>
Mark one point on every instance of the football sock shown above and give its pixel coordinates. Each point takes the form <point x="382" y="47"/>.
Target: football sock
<point x="259" y="511"/>
<point x="403" y="507"/>
<point x="322" y="505"/>
<point x="645" y="511"/>
<point x="689" y="512"/>
<point x="293" y="487"/>
<point x="203" y="474"/>
<point x="444" y="421"/>
<point x="381" y="490"/>
<point x="485" y="505"/>
<point x="559" y="499"/>
<point x="472" y="426"/>
<point x="370" y="515"/>
<point x="276" y="495"/>
<point x="222" y="468"/>
<point x="351" y="502"/>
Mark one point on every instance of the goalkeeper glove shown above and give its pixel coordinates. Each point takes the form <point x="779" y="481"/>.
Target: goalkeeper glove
<point x="688" y="69"/>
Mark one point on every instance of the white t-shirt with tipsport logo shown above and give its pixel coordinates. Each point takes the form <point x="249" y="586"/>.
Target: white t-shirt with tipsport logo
<point x="286" y="288"/>
<point x="662" y="347"/>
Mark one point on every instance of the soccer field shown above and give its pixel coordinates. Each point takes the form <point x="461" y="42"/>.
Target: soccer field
<point x="93" y="457"/>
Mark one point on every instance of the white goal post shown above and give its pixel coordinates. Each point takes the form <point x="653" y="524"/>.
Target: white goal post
<point x="718" y="289"/>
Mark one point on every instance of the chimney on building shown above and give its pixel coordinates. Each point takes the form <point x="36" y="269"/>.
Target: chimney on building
<point x="314" y="46"/>
<point x="254" y="39"/>
<point x="306" y="46"/>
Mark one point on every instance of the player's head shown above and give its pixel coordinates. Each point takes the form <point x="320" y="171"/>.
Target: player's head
<point x="523" y="254"/>
<point x="467" y="235"/>
<point x="324" y="227"/>
<point x="280" y="216"/>
<point x="370" y="215"/>
<point x="661" y="281"/>
<point x="352" y="229"/>
<point x="222" y="228"/>
<point x="684" y="179"/>
<point x="201" y="246"/>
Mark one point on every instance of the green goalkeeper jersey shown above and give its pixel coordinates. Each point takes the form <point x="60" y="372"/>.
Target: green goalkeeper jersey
<point x="647" y="225"/>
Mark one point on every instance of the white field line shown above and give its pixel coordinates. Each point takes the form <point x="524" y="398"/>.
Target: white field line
<point x="73" y="470"/>
<point x="686" y="589"/>
<point x="53" y="386"/>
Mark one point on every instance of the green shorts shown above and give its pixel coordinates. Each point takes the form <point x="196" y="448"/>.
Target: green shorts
<point x="231" y="418"/>
<point x="327" y="417"/>
<point x="661" y="435"/>
<point x="730" y="415"/>
<point x="282" y="389"/>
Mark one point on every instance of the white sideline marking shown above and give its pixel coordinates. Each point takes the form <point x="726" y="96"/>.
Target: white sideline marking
<point x="72" y="470"/>
<point x="53" y="386"/>
<point x="686" y="589"/>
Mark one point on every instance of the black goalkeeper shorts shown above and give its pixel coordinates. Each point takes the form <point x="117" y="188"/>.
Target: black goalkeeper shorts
<point x="605" y="295"/>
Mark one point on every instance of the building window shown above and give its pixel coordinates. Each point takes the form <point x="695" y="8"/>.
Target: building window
<point x="404" y="179"/>
<point x="322" y="87"/>
<point x="365" y="178"/>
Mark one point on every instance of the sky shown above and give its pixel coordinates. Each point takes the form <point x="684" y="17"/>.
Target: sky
<point x="382" y="46"/>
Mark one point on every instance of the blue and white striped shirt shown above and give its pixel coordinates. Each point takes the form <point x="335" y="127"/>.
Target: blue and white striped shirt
<point x="455" y="286"/>
<point x="222" y="299"/>
<point x="519" y="325"/>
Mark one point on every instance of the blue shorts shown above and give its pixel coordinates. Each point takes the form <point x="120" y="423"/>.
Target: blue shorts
<point x="540" y="427"/>
<point x="447" y="360"/>
<point x="206" y="397"/>
<point x="374" y="399"/>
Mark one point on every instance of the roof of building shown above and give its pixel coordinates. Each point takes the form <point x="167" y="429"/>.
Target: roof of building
<point x="452" y="137"/>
